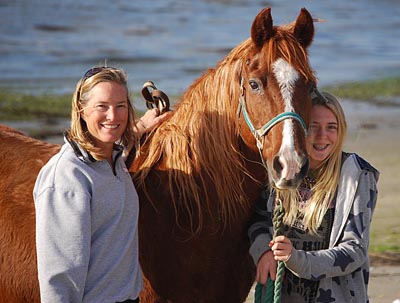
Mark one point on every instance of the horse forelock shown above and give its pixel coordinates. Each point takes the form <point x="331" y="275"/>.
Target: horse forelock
<point x="284" y="45"/>
<point x="200" y="143"/>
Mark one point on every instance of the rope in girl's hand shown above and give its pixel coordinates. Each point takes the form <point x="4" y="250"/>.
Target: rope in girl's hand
<point x="273" y="289"/>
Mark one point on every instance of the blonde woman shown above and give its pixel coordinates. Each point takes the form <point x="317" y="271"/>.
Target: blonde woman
<point x="86" y="204"/>
<point x="327" y="225"/>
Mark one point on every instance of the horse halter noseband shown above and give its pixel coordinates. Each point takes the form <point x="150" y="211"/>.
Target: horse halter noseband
<point x="259" y="134"/>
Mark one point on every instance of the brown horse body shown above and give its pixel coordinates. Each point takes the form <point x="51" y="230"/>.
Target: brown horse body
<point x="198" y="174"/>
<point x="21" y="159"/>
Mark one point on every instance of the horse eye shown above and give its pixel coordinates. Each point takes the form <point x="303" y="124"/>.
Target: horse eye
<point x="254" y="85"/>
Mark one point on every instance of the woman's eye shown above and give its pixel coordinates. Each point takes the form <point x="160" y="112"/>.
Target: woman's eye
<point x="101" y="107"/>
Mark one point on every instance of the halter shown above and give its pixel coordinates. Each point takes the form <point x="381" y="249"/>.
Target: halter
<point x="259" y="134"/>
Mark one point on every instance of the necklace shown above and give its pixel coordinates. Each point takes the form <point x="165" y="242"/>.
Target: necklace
<point x="309" y="180"/>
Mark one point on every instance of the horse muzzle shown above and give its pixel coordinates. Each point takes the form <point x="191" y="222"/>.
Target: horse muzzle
<point x="288" y="175"/>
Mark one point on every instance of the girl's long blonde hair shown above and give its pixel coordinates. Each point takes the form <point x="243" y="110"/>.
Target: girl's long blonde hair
<point x="79" y="131"/>
<point x="328" y="172"/>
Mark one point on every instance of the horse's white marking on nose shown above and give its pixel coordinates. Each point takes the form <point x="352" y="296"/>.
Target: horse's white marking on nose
<point x="287" y="76"/>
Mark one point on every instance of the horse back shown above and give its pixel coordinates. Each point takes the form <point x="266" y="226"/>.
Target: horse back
<point x="21" y="158"/>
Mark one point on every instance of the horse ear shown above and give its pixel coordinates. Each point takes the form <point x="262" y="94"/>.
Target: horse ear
<point x="304" y="28"/>
<point x="262" y="29"/>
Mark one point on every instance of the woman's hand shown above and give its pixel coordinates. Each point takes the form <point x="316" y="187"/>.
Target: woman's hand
<point x="282" y="248"/>
<point x="150" y="120"/>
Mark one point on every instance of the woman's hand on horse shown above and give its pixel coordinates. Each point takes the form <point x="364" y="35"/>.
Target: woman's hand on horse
<point x="266" y="268"/>
<point x="152" y="118"/>
<point x="282" y="248"/>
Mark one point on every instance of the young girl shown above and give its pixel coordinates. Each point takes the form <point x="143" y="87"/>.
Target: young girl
<point x="326" y="227"/>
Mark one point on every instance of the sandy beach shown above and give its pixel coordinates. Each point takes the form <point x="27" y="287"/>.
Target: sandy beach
<point x="374" y="133"/>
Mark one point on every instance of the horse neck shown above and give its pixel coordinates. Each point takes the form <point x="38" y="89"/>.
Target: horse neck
<point x="200" y="145"/>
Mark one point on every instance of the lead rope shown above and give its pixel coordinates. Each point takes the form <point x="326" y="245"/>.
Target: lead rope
<point x="273" y="290"/>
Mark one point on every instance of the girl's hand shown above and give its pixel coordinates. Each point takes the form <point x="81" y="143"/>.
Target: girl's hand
<point x="266" y="267"/>
<point x="282" y="248"/>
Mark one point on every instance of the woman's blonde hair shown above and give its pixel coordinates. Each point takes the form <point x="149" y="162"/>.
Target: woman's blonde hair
<point x="79" y="131"/>
<point x="327" y="177"/>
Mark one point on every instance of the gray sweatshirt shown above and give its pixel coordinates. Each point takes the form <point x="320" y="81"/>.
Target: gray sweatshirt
<point x="86" y="229"/>
<point x="343" y="269"/>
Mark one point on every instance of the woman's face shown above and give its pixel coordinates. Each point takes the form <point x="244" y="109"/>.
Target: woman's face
<point x="322" y="136"/>
<point x="106" y="113"/>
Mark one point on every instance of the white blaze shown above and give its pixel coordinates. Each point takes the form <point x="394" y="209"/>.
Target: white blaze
<point x="287" y="76"/>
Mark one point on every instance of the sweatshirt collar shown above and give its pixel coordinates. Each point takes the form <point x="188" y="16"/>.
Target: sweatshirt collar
<point x="84" y="155"/>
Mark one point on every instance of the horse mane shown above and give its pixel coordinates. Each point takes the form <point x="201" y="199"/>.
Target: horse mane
<point x="200" y="145"/>
<point x="200" y="142"/>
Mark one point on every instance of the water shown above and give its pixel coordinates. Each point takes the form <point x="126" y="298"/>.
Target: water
<point x="46" y="45"/>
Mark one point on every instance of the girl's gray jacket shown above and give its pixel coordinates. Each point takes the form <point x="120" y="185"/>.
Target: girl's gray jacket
<point x="343" y="269"/>
<point x="86" y="229"/>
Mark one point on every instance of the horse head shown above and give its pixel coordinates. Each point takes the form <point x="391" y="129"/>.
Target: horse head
<point x="274" y="103"/>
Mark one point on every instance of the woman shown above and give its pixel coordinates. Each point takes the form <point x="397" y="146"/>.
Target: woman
<point x="86" y="204"/>
<point x="326" y="226"/>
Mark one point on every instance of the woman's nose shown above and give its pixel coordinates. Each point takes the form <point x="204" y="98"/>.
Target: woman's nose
<point x="321" y="132"/>
<point x="111" y="112"/>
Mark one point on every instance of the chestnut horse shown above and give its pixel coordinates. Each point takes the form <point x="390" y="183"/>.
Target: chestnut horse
<point x="21" y="158"/>
<point x="198" y="174"/>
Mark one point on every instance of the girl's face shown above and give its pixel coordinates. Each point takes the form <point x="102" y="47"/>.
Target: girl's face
<point x="106" y="114"/>
<point x="322" y="135"/>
